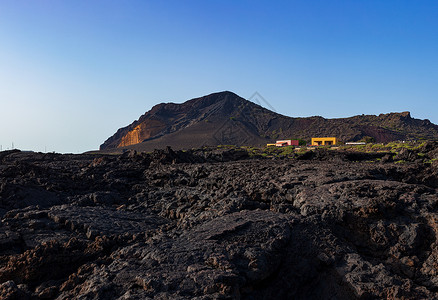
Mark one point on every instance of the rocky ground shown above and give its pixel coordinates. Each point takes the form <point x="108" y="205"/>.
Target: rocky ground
<point x="218" y="224"/>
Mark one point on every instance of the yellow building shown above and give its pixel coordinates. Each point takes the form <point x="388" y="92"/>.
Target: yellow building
<point x="324" y="141"/>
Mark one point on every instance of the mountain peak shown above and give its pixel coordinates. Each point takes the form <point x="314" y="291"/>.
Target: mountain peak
<point x="213" y="98"/>
<point x="404" y="114"/>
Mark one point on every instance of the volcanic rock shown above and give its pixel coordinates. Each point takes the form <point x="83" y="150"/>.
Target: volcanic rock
<point x="218" y="223"/>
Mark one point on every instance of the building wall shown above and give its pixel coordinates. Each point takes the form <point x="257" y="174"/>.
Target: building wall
<point x="324" y="141"/>
<point x="287" y="142"/>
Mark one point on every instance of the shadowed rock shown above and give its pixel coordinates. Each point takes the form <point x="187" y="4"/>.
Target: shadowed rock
<point x="218" y="224"/>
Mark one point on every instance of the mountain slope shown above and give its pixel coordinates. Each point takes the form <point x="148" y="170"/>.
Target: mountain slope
<point x="225" y="118"/>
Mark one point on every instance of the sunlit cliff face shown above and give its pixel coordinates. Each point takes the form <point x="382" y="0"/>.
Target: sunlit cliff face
<point x="131" y="138"/>
<point x="141" y="132"/>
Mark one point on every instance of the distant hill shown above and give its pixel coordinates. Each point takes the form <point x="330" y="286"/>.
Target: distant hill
<point x="224" y="118"/>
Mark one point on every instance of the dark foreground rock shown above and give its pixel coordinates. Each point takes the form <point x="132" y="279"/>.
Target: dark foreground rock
<point x="217" y="224"/>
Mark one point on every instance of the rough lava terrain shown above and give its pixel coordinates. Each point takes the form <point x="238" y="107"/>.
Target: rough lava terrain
<point x="218" y="224"/>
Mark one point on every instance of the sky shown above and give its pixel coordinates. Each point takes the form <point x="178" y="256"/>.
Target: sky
<point x="73" y="72"/>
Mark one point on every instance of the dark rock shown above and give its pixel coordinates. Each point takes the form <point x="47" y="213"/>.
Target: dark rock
<point x="10" y="291"/>
<point x="212" y="223"/>
<point x="406" y="155"/>
<point x="387" y="158"/>
<point x="101" y="222"/>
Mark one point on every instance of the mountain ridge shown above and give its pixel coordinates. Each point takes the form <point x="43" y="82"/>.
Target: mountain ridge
<point x="226" y="118"/>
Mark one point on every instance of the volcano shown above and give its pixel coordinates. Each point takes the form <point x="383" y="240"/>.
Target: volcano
<point x="225" y="118"/>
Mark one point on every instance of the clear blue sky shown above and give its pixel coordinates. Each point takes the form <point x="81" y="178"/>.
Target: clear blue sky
<point x="73" y="72"/>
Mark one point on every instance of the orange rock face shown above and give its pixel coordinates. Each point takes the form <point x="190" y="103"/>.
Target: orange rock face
<point x="141" y="132"/>
<point x="133" y="137"/>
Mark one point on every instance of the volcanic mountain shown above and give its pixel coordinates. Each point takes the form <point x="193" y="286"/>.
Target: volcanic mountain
<point x="224" y="118"/>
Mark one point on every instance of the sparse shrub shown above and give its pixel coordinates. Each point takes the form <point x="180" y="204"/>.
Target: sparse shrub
<point x="287" y="151"/>
<point x="429" y="161"/>
<point x="368" y="139"/>
<point x="400" y="161"/>
<point x="302" y="142"/>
